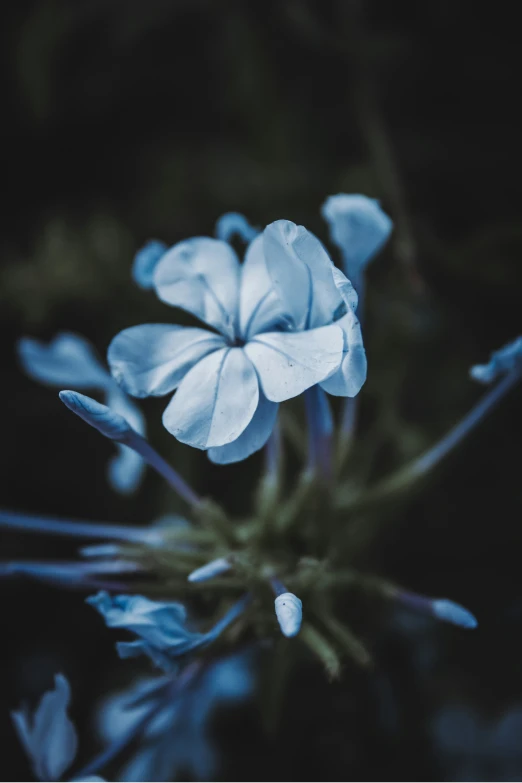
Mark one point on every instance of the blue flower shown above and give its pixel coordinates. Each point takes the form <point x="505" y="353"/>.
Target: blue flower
<point x="177" y="743"/>
<point x="69" y="361"/>
<point x="161" y="626"/>
<point x="358" y="226"/>
<point x="49" y="736"/>
<point x="284" y="321"/>
<point x="506" y="360"/>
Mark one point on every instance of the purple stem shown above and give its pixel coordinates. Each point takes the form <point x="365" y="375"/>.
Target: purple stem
<point x="320" y="432"/>
<point x="76" y="528"/>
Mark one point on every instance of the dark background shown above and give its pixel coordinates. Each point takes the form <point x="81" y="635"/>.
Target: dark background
<point x="124" y="120"/>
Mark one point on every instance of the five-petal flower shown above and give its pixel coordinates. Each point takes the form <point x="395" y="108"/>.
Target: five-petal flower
<point x="283" y="322"/>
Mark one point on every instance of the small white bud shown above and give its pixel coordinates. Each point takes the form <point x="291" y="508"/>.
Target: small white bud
<point x="289" y="611"/>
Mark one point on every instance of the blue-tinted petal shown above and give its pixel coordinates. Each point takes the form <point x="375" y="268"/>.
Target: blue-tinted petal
<point x="125" y="470"/>
<point x="152" y="359"/>
<point x="301" y="273"/>
<point x="49" y="737"/>
<point x="233" y="223"/>
<point x="160" y="626"/>
<point x="201" y="275"/>
<point x="348" y="380"/>
<point x="358" y="226"/>
<point x="118" y="402"/>
<point x="145" y="262"/>
<point x="215" y="401"/>
<point x="507" y="359"/>
<point x="68" y="360"/>
<point x="346" y="289"/>
<point x="177" y="741"/>
<point x="287" y="363"/>
<point x="230" y="679"/>
<point x="260" y="308"/>
<point x="252" y="438"/>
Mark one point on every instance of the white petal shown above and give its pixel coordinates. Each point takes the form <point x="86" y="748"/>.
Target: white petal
<point x="201" y="275"/>
<point x="345" y="288"/>
<point x="287" y="363"/>
<point x="215" y="401"/>
<point x="301" y="272"/>
<point x="351" y="375"/>
<point x="118" y="402"/>
<point x="152" y="359"/>
<point x="260" y="308"/>
<point x="68" y="360"/>
<point x="252" y="438"/>
<point x="358" y="226"/>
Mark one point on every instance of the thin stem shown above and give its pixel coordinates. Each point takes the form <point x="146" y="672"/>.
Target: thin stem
<point x="156" y="461"/>
<point x="320" y="432"/>
<point x="273" y="455"/>
<point x="419" y="467"/>
<point x="76" y="528"/>
<point x="277" y="586"/>
<point x="235" y="611"/>
<point x="434" y="455"/>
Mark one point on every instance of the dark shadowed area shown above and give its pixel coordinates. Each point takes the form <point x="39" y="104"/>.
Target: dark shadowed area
<point x="125" y="120"/>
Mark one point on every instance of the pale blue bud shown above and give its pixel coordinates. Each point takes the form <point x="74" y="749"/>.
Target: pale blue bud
<point x="99" y="416"/>
<point x="450" y="612"/>
<point x="210" y="570"/>
<point x="506" y="360"/>
<point x="289" y="611"/>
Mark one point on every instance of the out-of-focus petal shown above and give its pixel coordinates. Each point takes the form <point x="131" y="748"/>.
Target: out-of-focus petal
<point x="348" y="380"/>
<point x="145" y="262"/>
<point x="67" y="360"/>
<point x="152" y="359"/>
<point x="232" y="223"/>
<point x="215" y="401"/>
<point x="160" y="627"/>
<point x="252" y="438"/>
<point x="125" y="470"/>
<point x="301" y="272"/>
<point x="201" y="275"/>
<point x="260" y="308"/>
<point x="287" y="363"/>
<point x="358" y="226"/>
<point x="49" y="736"/>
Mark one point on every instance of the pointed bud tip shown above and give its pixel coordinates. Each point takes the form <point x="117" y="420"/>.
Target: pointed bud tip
<point x="210" y="570"/>
<point x="453" y="613"/>
<point x="289" y="612"/>
<point x="99" y="416"/>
